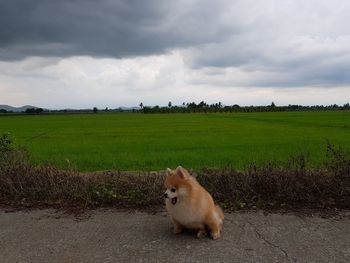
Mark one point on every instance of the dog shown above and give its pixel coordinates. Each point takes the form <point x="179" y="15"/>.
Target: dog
<point x="190" y="206"/>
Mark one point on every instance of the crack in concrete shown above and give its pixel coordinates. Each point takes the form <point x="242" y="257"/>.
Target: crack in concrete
<point x="260" y="236"/>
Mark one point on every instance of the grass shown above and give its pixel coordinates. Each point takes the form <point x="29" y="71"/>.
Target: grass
<point x="90" y="142"/>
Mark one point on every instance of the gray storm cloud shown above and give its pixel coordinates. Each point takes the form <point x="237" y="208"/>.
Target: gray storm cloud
<point x="240" y="43"/>
<point x="106" y="28"/>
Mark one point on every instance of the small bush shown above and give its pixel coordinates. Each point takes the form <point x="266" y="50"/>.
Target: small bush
<point x="338" y="161"/>
<point x="6" y="144"/>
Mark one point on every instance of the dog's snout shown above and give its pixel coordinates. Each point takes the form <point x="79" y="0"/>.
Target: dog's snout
<point x="165" y="195"/>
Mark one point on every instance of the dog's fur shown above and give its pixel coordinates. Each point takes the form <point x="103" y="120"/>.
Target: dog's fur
<point x="190" y="206"/>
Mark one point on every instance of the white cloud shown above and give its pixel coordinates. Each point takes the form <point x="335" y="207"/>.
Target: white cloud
<point x="86" y="82"/>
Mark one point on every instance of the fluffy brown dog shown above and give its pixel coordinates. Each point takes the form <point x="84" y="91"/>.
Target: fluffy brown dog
<point x="190" y="206"/>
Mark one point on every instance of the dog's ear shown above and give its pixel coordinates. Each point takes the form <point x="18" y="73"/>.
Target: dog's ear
<point x="181" y="172"/>
<point x="168" y="171"/>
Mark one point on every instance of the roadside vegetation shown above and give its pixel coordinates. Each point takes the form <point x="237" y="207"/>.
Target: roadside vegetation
<point x="291" y="185"/>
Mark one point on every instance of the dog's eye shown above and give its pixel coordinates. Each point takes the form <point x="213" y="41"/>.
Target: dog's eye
<point x="173" y="189"/>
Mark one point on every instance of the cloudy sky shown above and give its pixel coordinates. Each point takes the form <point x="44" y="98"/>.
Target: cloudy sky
<point x="110" y="53"/>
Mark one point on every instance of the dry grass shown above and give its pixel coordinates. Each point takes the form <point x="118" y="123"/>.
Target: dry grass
<point x="289" y="186"/>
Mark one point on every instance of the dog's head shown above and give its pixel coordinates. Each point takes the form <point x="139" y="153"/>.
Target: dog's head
<point x="177" y="183"/>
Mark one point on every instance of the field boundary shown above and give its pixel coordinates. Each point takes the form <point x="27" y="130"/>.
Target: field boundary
<point x="291" y="186"/>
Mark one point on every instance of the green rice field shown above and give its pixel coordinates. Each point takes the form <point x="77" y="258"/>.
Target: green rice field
<point x="135" y="141"/>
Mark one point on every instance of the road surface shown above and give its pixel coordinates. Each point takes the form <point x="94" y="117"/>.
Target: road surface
<point x="112" y="236"/>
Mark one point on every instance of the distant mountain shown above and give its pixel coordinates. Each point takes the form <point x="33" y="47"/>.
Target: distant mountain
<point x="16" y="109"/>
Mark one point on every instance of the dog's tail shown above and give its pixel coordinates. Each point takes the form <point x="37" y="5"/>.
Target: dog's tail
<point x="220" y="212"/>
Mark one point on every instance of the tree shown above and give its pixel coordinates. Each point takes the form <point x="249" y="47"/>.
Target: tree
<point x="141" y="105"/>
<point x="169" y="104"/>
<point x="34" y="110"/>
<point x="30" y="110"/>
<point x="202" y="105"/>
<point x="95" y="110"/>
<point x="273" y="105"/>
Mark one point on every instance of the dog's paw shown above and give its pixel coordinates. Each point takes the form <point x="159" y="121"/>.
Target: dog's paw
<point x="215" y="235"/>
<point x="201" y="233"/>
<point x="177" y="230"/>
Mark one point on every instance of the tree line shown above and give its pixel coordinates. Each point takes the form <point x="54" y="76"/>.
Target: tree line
<point x="192" y="107"/>
<point x="219" y="107"/>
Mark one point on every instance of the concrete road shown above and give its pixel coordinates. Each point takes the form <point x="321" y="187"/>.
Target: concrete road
<point x="110" y="236"/>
